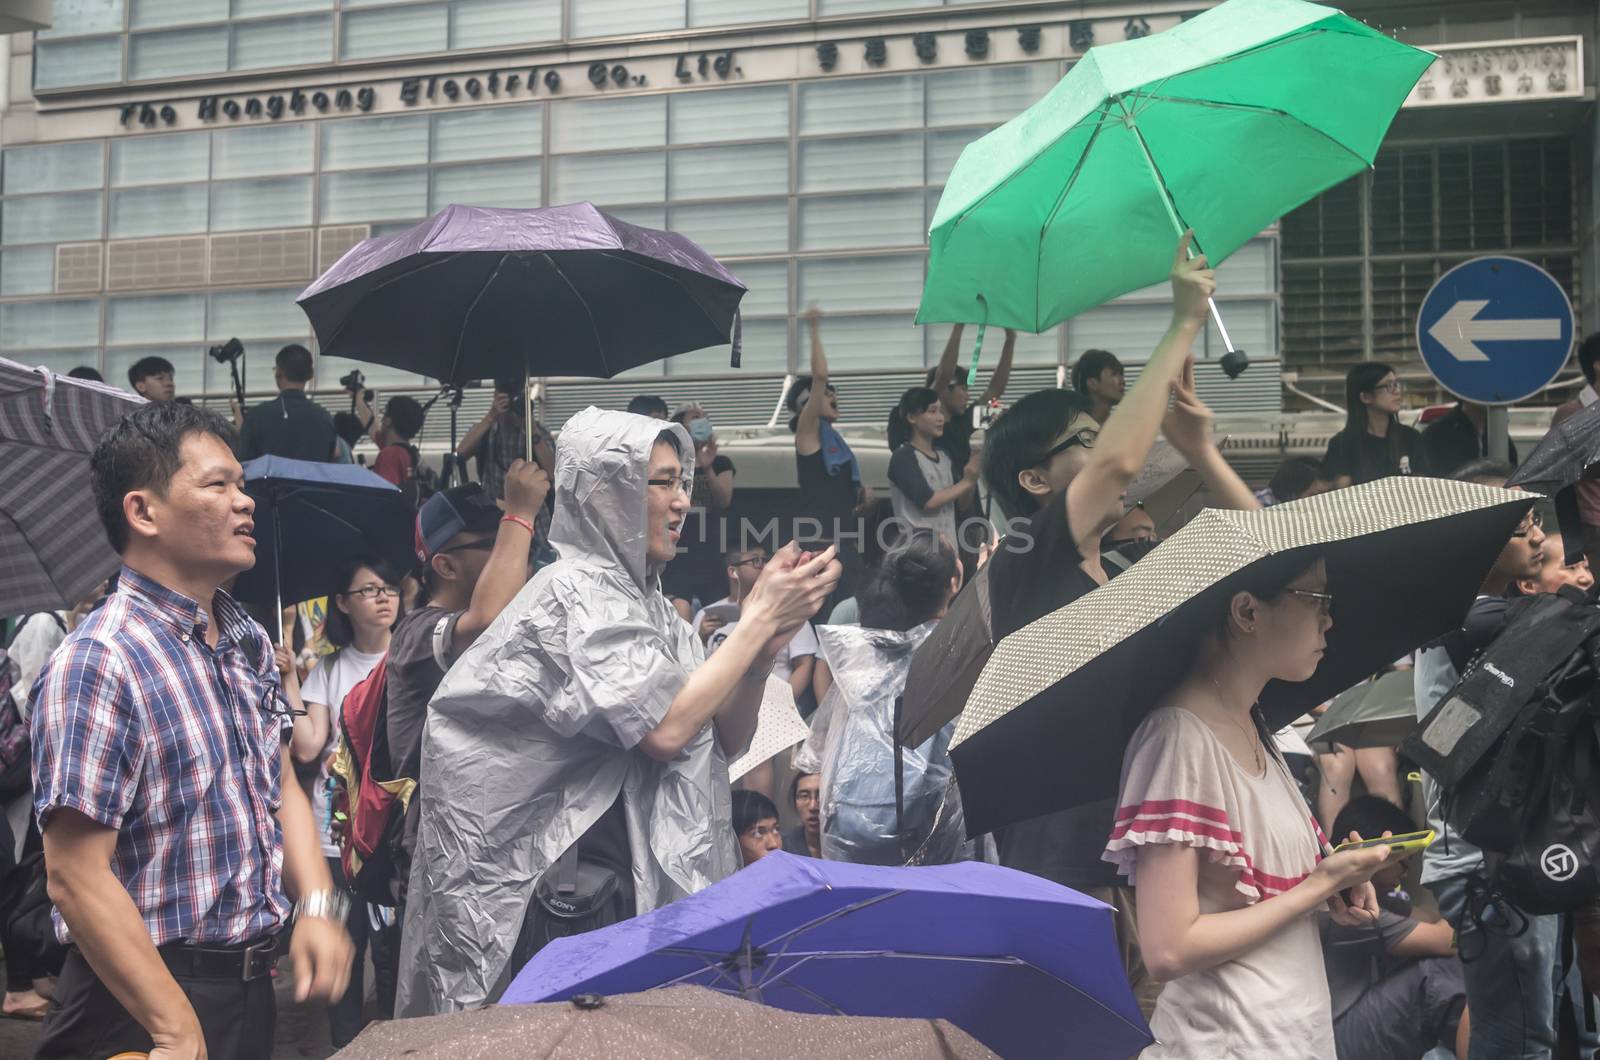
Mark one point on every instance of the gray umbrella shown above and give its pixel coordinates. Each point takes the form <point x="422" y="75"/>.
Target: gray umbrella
<point x="1379" y="713"/>
<point x="479" y="293"/>
<point x="53" y="551"/>
<point x="1049" y="718"/>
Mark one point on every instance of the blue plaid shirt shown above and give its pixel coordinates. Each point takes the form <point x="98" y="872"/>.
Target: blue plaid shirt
<point x="141" y="726"/>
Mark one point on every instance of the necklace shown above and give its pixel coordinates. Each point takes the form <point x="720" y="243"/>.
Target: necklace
<point x="1250" y="735"/>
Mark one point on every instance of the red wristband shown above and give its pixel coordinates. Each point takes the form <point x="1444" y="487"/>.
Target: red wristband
<point x="519" y="520"/>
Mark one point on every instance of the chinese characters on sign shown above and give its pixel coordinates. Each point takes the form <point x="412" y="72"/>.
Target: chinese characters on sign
<point x="1546" y="68"/>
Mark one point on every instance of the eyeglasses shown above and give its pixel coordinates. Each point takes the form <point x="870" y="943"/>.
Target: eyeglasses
<point x="1324" y="600"/>
<point x="1393" y="386"/>
<point x="1084" y="436"/>
<point x="273" y="704"/>
<point x="372" y="592"/>
<point x="758" y="832"/>
<point x="1533" y="522"/>
<point x="807" y="796"/>
<point x="675" y="484"/>
<point x="757" y="562"/>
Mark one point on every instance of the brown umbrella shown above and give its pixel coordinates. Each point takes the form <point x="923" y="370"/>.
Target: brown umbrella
<point x="673" y="1023"/>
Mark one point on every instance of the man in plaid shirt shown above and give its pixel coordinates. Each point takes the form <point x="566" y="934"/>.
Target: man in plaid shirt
<point x="172" y="822"/>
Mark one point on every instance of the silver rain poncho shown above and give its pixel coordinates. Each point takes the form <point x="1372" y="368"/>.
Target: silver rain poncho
<point x="854" y="730"/>
<point x="533" y="732"/>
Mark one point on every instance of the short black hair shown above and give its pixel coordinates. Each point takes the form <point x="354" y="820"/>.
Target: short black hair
<point x="731" y="556"/>
<point x="83" y="371"/>
<point x="1020" y="438"/>
<point x="1296" y="475"/>
<point x="750" y="807"/>
<point x="1089" y="366"/>
<point x="1588" y="354"/>
<point x="405" y="415"/>
<point x="648" y="405"/>
<point x="338" y="629"/>
<point x="143" y="452"/>
<point x="1371" y="816"/>
<point x="294" y="361"/>
<point x="1485" y="467"/>
<point x="958" y="377"/>
<point x="144" y="368"/>
<point x="794" y="786"/>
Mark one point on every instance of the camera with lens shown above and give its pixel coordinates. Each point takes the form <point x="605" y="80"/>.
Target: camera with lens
<point x="228" y="352"/>
<point x="354" y="381"/>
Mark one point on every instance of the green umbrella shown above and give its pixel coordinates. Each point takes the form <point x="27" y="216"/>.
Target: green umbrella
<point x="1221" y="124"/>
<point x="1380" y="713"/>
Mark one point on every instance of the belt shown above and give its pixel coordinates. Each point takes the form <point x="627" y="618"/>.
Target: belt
<point x="245" y="961"/>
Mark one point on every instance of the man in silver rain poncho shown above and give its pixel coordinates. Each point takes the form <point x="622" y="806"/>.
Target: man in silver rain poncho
<point x="584" y="720"/>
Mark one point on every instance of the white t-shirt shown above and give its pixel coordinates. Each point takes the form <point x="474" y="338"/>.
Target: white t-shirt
<point x="803" y="643"/>
<point x="328" y="684"/>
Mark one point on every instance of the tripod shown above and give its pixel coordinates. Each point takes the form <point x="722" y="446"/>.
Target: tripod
<point x="451" y="463"/>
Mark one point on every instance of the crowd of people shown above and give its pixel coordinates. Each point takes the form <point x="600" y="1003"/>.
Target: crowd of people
<point x="551" y="698"/>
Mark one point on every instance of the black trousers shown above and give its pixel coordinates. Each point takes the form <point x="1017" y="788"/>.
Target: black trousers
<point x="86" y="1022"/>
<point x="345" y="1016"/>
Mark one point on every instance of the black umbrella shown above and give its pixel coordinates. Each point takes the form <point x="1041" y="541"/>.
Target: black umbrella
<point x="1378" y="713"/>
<point x="312" y="517"/>
<point x="1049" y="718"/>
<point x="1568" y="453"/>
<point x="477" y="293"/>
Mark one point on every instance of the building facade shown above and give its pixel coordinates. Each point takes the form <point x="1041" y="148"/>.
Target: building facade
<point x="174" y="172"/>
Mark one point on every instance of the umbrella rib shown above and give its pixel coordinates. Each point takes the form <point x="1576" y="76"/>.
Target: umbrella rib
<point x="438" y="259"/>
<point x="1061" y="198"/>
<point x="461" y="339"/>
<point x="588" y="309"/>
<point x="788" y="936"/>
<point x="1254" y="109"/>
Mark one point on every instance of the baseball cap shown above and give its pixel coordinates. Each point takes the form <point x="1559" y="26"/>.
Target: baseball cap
<point x="454" y="511"/>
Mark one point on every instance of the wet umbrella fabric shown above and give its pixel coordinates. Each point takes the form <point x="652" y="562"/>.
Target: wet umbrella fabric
<point x="311" y="518"/>
<point x="1020" y="963"/>
<point x="679" y="1023"/>
<point x="1376" y="714"/>
<point x="1223" y="124"/>
<point x="1048" y="721"/>
<point x="1567" y="454"/>
<point x="53" y="549"/>
<point x="479" y="293"/>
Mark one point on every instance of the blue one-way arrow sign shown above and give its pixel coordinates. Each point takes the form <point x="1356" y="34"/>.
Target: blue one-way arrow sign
<point x="1495" y="330"/>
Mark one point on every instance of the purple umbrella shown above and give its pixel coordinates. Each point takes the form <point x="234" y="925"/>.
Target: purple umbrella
<point x="1020" y="963"/>
<point x="478" y="293"/>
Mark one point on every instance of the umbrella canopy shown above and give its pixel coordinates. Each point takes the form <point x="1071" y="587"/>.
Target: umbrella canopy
<point x="1221" y="124"/>
<point x="1379" y="714"/>
<point x="779" y="727"/>
<point x="473" y="293"/>
<point x="680" y="1023"/>
<point x="1568" y="453"/>
<point x="1020" y="963"/>
<point x="53" y="551"/>
<point x="947" y="664"/>
<point x="313" y="517"/>
<point x="1049" y="718"/>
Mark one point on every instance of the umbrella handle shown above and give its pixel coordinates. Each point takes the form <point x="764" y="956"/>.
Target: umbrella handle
<point x="527" y="412"/>
<point x="977" y="345"/>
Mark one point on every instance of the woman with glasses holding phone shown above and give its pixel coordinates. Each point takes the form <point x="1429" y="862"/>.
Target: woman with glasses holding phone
<point x="365" y="603"/>
<point x="1374" y="443"/>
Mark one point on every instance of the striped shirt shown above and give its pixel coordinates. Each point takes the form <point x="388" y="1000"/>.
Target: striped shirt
<point x="141" y="726"/>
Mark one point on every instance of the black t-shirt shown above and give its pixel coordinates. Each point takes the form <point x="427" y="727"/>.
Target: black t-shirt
<point x="831" y="498"/>
<point x="1451" y="441"/>
<point x="291" y="425"/>
<point x="1366" y="457"/>
<point x="1026" y="583"/>
<point x="414" y="673"/>
<point x="956" y="441"/>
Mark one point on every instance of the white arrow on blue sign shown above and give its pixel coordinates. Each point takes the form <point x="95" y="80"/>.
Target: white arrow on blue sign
<point x="1495" y="330"/>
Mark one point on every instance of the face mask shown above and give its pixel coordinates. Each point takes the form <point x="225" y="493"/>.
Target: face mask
<point x="700" y="430"/>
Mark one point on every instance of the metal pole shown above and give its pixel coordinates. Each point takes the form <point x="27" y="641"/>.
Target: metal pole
<point x="1499" y="431"/>
<point x="527" y="412"/>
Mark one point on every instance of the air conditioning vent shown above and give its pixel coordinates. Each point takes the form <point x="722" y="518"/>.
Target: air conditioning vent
<point x="78" y="267"/>
<point x="261" y="257"/>
<point x="333" y="242"/>
<point x="143" y="264"/>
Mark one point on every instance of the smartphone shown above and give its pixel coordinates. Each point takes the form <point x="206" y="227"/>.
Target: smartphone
<point x="1404" y="843"/>
<point x="984" y="414"/>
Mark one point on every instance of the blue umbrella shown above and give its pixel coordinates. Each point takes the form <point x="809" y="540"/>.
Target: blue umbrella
<point x="310" y="518"/>
<point x="1022" y="964"/>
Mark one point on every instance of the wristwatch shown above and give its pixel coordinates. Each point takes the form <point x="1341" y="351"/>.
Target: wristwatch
<point x="325" y="905"/>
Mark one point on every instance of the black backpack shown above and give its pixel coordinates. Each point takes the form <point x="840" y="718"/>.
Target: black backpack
<point x="1515" y="748"/>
